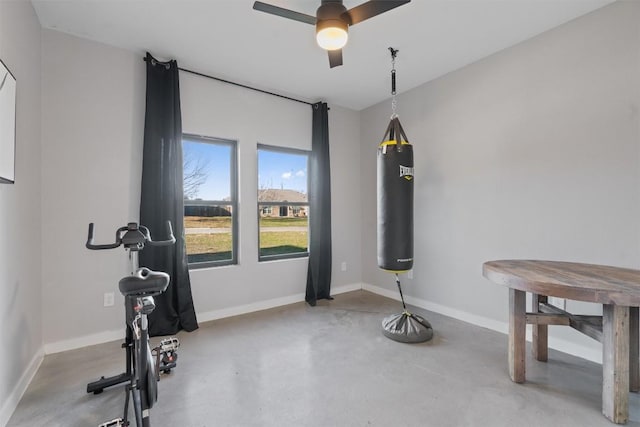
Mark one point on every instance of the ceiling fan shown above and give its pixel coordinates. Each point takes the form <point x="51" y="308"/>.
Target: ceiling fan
<point x="333" y="20"/>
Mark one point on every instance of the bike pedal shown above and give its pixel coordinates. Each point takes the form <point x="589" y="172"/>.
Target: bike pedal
<point x="117" y="422"/>
<point x="166" y="368"/>
<point x="169" y="344"/>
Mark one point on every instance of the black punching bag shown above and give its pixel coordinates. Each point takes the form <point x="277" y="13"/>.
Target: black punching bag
<point x="395" y="201"/>
<point x="395" y="221"/>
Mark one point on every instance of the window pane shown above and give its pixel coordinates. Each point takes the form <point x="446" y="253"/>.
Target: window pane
<point x="209" y="200"/>
<point x="207" y="170"/>
<point x="286" y="172"/>
<point x="283" y="204"/>
<point x="208" y="232"/>
<point x="283" y="235"/>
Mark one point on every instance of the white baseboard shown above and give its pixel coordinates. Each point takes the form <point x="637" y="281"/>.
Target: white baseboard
<point x="107" y="336"/>
<point x="588" y="353"/>
<point x="346" y="288"/>
<point x="85" y="341"/>
<point x="267" y="304"/>
<point x="564" y="346"/>
<point x="485" y="322"/>
<point x="14" y="397"/>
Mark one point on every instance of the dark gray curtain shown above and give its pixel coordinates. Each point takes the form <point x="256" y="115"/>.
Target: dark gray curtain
<point x="162" y="198"/>
<point x="319" y="270"/>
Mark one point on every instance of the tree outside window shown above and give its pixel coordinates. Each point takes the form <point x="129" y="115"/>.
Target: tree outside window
<point x="210" y="200"/>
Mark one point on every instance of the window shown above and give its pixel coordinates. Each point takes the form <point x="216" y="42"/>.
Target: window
<point x="283" y="203"/>
<point x="210" y="201"/>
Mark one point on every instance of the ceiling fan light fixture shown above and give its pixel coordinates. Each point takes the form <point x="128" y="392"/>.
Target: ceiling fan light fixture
<point x="332" y="21"/>
<point x="332" y="34"/>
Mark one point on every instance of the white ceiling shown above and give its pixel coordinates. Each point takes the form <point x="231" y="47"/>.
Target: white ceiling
<point x="228" y="39"/>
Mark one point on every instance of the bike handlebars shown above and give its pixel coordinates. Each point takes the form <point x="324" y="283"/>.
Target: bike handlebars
<point x="132" y="236"/>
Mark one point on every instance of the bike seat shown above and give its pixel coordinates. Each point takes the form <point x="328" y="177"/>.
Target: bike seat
<point x="144" y="282"/>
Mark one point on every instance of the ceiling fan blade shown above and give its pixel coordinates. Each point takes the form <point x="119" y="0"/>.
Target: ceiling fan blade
<point x="335" y="58"/>
<point x="285" y="13"/>
<point x="371" y="8"/>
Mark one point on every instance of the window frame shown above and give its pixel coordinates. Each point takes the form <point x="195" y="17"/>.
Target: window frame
<point x="283" y="150"/>
<point x="233" y="183"/>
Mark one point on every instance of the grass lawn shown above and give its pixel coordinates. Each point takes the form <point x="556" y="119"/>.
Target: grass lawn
<point x="208" y="247"/>
<point x="216" y="247"/>
<point x="225" y="222"/>
<point x="284" y="222"/>
<point x="283" y="242"/>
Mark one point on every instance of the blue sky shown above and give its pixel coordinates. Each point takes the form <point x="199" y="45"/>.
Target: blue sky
<point x="214" y="159"/>
<point x="282" y="170"/>
<point x="275" y="169"/>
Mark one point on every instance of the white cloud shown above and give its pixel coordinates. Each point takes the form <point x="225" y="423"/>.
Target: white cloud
<point x="300" y="173"/>
<point x="286" y="175"/>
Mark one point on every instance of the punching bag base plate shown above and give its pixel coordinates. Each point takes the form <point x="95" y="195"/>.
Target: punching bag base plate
<point x="407" y="327"/>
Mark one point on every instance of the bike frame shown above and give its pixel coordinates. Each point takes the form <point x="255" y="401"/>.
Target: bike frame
<point x="140" y="371"/>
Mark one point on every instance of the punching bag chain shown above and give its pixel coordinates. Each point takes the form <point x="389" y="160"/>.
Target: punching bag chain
<point x="394" y="103"/>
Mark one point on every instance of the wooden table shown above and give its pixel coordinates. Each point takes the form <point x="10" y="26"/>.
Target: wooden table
<point x="617" y="289"/>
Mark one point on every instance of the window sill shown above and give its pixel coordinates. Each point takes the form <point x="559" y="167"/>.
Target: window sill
<point x="283" y="257"/>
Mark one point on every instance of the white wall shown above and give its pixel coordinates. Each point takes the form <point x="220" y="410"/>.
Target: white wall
<point x="20" y="280"/>
<point x="220" y="110"/>
<point x="92" y="124"/>
<point x="93" y="111"/>
<point x="530" y="153"/>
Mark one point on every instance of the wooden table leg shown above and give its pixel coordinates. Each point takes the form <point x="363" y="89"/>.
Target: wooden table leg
<point x="634" y="356"/>
<point x="539" y="346"/>
<point x="517" y="330"/>
<point x="615" y="362"/>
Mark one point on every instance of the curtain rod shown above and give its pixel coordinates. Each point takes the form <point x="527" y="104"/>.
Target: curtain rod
<point x="239" y="84"/>
<point x="244" y="86"/>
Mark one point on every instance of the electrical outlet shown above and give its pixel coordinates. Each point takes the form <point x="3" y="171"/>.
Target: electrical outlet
<point x="410" y="274"/>
<point x="108" y="299"/>
<point x="344" y="266"/>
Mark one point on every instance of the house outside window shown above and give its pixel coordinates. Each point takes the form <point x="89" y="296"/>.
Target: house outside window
<point x="283" y="203"/>
<point x="210" y="186"/>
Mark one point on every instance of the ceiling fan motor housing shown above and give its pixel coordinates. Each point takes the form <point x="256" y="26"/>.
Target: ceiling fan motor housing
<point x="332" y="21"/>
<point x="332" y="14"/>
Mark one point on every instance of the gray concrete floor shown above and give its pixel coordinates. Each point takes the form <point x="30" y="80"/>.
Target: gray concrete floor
<point x="328" y="365"/>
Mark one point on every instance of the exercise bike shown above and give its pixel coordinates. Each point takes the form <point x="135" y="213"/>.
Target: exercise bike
<point x="138" y="289"/>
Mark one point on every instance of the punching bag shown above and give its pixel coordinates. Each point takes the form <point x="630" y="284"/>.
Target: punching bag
<point x="395" y="201"/>
<point x="395" y="228"/>
<point x="395" y="220"/>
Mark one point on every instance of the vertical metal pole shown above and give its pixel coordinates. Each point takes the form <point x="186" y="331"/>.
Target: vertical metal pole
<point x="400" y="289"/>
